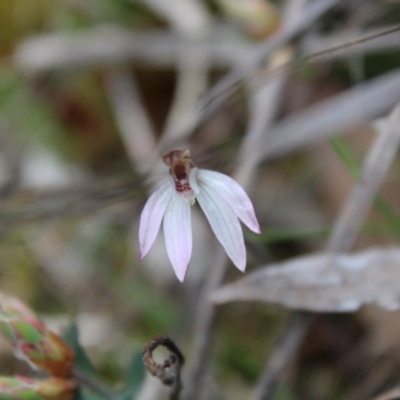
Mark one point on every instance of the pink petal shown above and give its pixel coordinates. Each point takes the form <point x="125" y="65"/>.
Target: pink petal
<point x="233" y="194"/>
<point x="178" y="234"/>
<point x="152" y="215"/>
<point x="224" y="224"/>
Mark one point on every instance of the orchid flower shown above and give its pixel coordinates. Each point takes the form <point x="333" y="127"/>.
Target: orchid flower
<point x="223" y="201"/>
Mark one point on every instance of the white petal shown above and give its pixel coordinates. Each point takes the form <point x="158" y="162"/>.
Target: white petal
<point x="152" y="215"/>
<point x="224" y="224"/>
<point x="178" y="234"/>
<point x="233" y="194"/>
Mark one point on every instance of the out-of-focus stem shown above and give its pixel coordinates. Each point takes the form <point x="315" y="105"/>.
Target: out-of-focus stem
<point x="263" y="111"/>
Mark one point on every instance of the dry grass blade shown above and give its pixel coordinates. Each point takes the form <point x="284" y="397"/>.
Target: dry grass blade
<point x="324" y="282"/>
<point x="334" y="116"/>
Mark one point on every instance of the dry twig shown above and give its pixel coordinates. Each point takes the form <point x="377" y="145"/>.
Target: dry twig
<point x="27" y="207"/>
<point x="350" y="44"/>
<point x="386" y="39"/>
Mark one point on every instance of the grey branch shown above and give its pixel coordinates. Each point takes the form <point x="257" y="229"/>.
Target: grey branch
<point x="109" y="45"/>
<point x="334" y="116"/>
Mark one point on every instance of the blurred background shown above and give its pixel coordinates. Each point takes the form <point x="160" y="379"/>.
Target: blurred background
<point x="92" y="92"/>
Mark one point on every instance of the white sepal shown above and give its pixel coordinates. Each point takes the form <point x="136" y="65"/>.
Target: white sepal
<point x="224" y="224"/>
<point x="233" y="194"/>
<point x="152" y="215"/>
<point x="178" y="234"/>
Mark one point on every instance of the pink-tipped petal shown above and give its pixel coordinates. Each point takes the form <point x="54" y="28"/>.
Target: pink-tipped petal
<point x="224" y="224"/>
<point x="234" y="196"/>
<point x="178" y="234"/>
<point x="152" y="215"/>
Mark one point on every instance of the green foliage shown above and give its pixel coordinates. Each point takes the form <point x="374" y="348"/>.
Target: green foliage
<point x="135" y="373"/>
<point x="283" y="393"/>
<point x="156" y="312"/>
<point x="127" y="12"/>
<point x="26" y="115"/>
<point x="82" y="361"/>
<point x="371" y="65"/>
<point x="81" y="394"/>
<point x="135" y="376"/>
<point x="238" y="357"/>
<point x="391" y="218"/>
<point x="27" y="332"/>
<point x="345" y="154"/>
